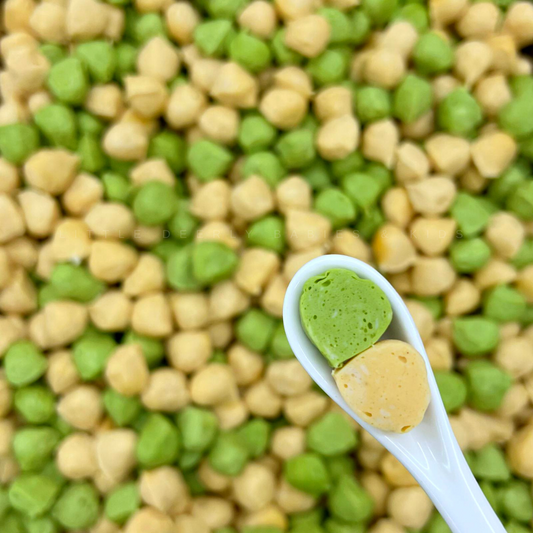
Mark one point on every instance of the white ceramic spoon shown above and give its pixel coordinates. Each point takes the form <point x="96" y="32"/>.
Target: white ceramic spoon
<point x="430" y="451"/>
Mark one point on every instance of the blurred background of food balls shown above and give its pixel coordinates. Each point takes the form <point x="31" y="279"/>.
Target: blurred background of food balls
<point x="166" y="167"/>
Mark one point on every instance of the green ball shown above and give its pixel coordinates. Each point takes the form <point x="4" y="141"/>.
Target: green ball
<point x="280" y="347"/>
<point x="524" y="256"/>
<point x="269" y="233"/>
<point x="350" y="502"/>
<point x="47" y="293"/>
<point x="53" y="52"/>
<point x="213" y="37"/>
<point x="515" y="501"/>
<point x="68" y="81"/>
<point x="412" y="98"/>
<point x="90" y="354"/>
<point x="208" y="160"/>
<point x="117" y="188"/>
<point x="487" y="385"/>
<point x="179" y="270"/>
<point x="35" y="404"/>
<point x="373" y="103"/>
<point x="33" y="494"/>
<point x="469" y="255"/>
<point x="370" y="221"/>
<point x="255" y="329"/>
<point x="250" y="52"/>
<point x="147" y="26"/>
<point x="229" y="455"/>
<point x="501" y="188"/>
<point x="256" y="436"/>
<point x="89" y="124"/>
<point x="318" y="175"/>
<point x="340" y="168"/>
<point x="51" y="471"/>
<point x="459" y="113"/>
<point x="189" y="460"/>
<point x="432" y="54"/>
<point x="340" y="24"/>
<point x="475" y="336"/>
<point x="18" y="142"/>
<point x="308" y="473"/>
<point x="159" y="442"/>
<point x="92" y="157"/>
<point x="363" y="189"/>
<point x="338" y="465"/>
<point x="264" y="164"/>
<point x="515" y="527"/>
<point x="516" y="117"/>
<point x="490" y="464"/>
<point x="123" y="410"/>
<point x="77" y="507"/>
<point x="504" y="304"/>
<point x="256" y="133"/>
<point x="198" y="427"/>
<point x="452" y="388"/>
<point x="416" y="14"/>
<point x="470" y="213"/>
<point x="171" y="147"/>
<point x="360" y="27"/>
<point x="44" y="524"/>
<point x="99" y="58"/>
<point x="58" y="125"/>
<point x="296" y="149"/>
<point x="24" y="363"/>
<point x="521" y="84"/>
<point x="330" y="67"/>
<point x="33" y="447"/>
<point x="225" y="9"/>
<point x="312" y="518"/>
<point x="213" y="262"/>
<point x="337" y="206"/>
<point x="381" y="174"/>
<point x="520" y="201"/>
<point x="75" y="282"/>
<point x="333" y="525"/>
<point x="154" y="203"/>
<point x="183" y="224"/>
<point x="126" y="59"/>
<point x="122" y="502"/>
<point x="166" y="248"/>
<point x="380" y="11"/>
<point x="331" y="435"/>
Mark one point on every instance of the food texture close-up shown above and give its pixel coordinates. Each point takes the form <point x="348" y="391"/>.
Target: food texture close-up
<point x="166" y="167"/>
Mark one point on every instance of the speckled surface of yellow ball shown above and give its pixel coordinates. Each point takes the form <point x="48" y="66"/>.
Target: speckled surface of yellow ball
<point x="386" y="385"/>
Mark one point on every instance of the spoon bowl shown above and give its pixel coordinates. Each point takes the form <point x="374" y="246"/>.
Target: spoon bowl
<point x="430" y="451"/>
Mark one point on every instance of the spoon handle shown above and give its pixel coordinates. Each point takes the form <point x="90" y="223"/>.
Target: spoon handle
<point x="461" y="502"/>
<point x="433" y="456"/>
